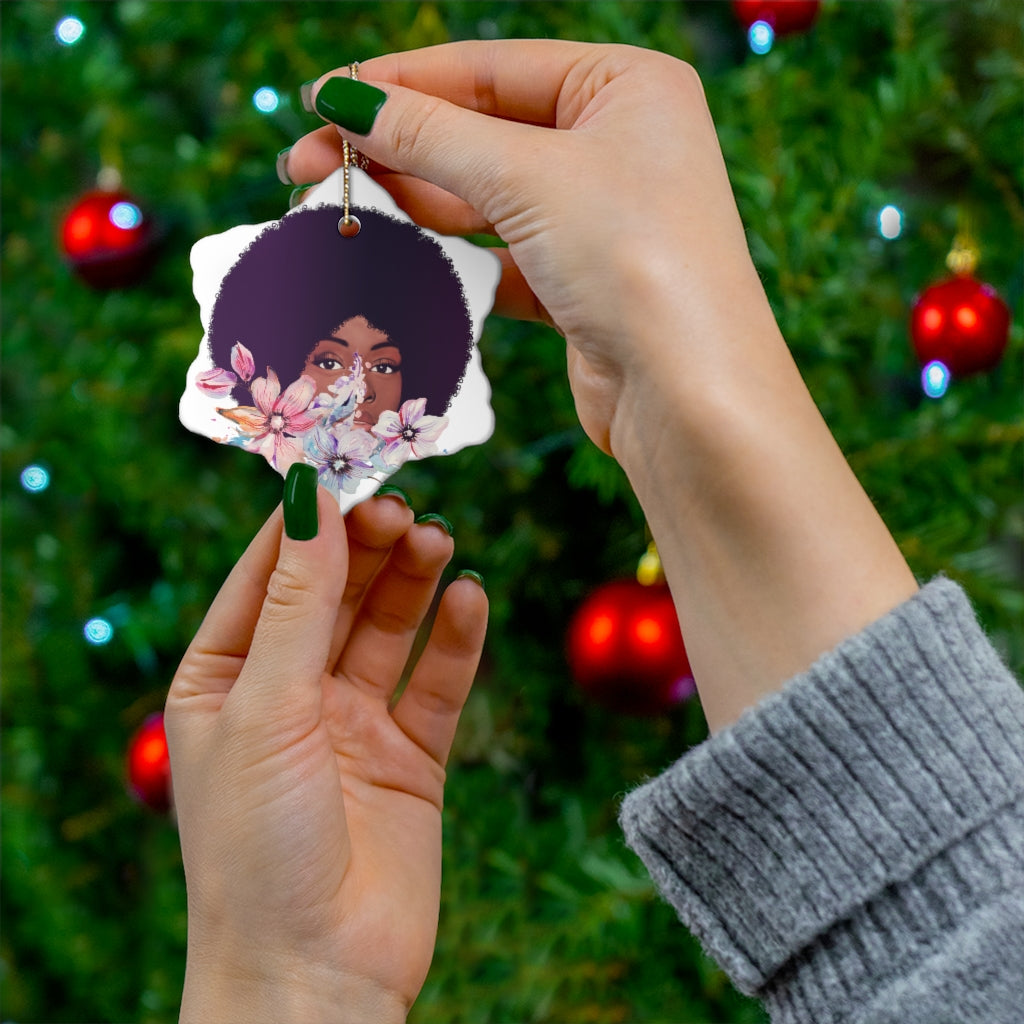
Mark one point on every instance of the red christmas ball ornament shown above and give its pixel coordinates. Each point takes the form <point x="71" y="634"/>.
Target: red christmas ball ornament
<point x="962" y="323"/>
<point x="149" y="765"/>
<point x="784" y="16"/>
<point x="626" y="651"/>
<point x="107" y="239"/>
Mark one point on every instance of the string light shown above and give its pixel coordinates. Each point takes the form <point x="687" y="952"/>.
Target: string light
<point x="935" y="379"/>
<point x="35" y="479"/>
<point x="69" y="31"/>
<point x="125" y="216"/>
<point x="890" y="222"/>
<point x="98" y="631"/>
<point x="266" y="100"/>
<point x="761" y="37"/>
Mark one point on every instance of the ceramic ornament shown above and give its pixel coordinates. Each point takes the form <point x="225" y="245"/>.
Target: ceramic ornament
<point x="353" y="353"/>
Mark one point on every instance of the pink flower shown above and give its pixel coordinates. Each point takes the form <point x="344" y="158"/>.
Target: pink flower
<point x="242" y="362"/>
<point x="409" y="432"/>
<point x="271" y="427"/>
<point x="216" y="383"/>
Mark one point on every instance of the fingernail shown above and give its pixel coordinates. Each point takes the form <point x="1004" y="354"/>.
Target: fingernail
<point x="300" y="517"/>
<point x="306" y="95"/>
<point x="281" y="165"/>
<point x="472" y="574"/>
<point x="386" y="489"/>
<point x="351" y="104"/>
<point x="437" y="519"/>
<point x="297" y="193"/>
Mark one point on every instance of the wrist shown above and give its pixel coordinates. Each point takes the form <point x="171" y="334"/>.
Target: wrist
<point x="772" y="549"/>
<point x="283" y="991"/>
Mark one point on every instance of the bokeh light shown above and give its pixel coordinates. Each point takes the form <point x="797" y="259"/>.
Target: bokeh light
<point x="266" y="100"/>
<point x="68" y="31"/>
<point x="125" y="215"/>
<point x="890" y="222"/>
<point x="761" y="37"/>
<point x="935" y="379"/>
<point x="35" y="479"/>
<point x="98" y="631"/>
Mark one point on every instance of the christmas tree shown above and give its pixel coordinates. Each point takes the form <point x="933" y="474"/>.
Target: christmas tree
<point x="858" y="148"/>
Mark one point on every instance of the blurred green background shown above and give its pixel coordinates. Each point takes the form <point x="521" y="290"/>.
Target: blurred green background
<point x="546" y="916"/>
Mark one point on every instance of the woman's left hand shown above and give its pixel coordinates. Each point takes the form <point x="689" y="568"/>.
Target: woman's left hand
<point x="309" y="807"/>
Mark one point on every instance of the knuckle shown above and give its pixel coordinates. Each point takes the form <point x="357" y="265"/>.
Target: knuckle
<point x="411" y="132"/>
<point x="288" y="591"/>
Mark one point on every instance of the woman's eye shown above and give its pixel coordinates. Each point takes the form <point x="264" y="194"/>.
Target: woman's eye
<point x="385" y="367"/>
<point x="328" y="363"/>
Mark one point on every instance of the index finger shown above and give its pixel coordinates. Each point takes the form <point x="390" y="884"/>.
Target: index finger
<point x="515" y="79"/>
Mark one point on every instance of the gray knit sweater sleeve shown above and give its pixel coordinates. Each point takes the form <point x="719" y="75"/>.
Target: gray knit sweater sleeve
<point x="852" y="850"/>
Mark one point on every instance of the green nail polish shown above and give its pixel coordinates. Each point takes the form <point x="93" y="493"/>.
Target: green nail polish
<point x="306" y="95"/>
<point x="472" y="574"/>
<point x="351" y="104"/>
<point x="300" y="516"/>
<point x="436" y="519"/>
<point x="297" y="193"/>
<point x="386" y="489"/>
<point x="281" y="165"/>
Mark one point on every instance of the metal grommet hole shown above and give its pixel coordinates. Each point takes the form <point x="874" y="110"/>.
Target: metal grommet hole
<point x="349" y="227"/>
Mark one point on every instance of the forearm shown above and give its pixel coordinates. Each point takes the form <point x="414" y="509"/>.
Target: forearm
<point x="772" y="549"/>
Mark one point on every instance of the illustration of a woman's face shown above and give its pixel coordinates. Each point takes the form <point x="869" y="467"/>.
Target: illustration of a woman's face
<point x="382" y="360"/>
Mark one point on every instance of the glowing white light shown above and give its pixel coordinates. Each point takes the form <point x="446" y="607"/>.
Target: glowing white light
<point x="265" y="100"/>
<point x="125" y="216"/>
<point x="98" y="631"/>
<point x="935" y="379"/>
<point x="761" y="36"/>
<point x="35" y="479"/>
<point x="69" y="31"/>
<point x="890" y="222"/>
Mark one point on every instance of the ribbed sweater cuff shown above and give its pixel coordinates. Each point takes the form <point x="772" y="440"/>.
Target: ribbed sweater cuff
<point x="866" y="782"/>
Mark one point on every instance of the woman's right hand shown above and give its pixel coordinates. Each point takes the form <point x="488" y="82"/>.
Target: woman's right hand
<point x="600" y="168"/>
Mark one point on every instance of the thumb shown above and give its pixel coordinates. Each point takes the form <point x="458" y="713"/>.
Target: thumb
<point x="292" y="638"/>
<point x="469" y="154"/>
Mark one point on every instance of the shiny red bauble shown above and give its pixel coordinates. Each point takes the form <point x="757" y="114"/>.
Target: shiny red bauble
<point x="784" y="16"/>
<point x="626" y="651"/>
<point x="962" y="323"/>
<point x="107" y="239"/>
<point x="149" y="765"/>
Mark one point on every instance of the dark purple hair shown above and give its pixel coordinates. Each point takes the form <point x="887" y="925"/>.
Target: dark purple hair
<point x="300" y="279"/>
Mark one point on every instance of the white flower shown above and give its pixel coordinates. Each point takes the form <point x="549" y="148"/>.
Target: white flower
<point x="409" y="432"/>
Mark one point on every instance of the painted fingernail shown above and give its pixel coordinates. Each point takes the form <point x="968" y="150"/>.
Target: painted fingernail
<point x="306" y="95"/>
<point x="300" y="516"/>
<point x="298" y="192"/>
<point x="437" y="519"/>
<point x="281" y="164"/>
<point x="472" y="574"/>
<point x="351" y="104"/>
<point x="386" y="489"/>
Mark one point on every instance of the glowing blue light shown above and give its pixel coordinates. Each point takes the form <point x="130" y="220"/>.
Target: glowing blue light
<point x="69" y="31"/>
<point x="125" y="215"/>
<point x="98" y="631"/>
<point x="265" y="100"/>
<point x="761" y="36"/>
<point x="35" y="479"/>
<point x="890" y="222"/>
<point x="935" y="379"/>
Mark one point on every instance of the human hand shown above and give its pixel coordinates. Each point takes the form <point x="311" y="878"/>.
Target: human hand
<point x="600" y="168"/>
<point x="309" y="808"/>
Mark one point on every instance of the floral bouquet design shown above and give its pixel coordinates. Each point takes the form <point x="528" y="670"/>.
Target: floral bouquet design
<point x="298" y="425"/>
